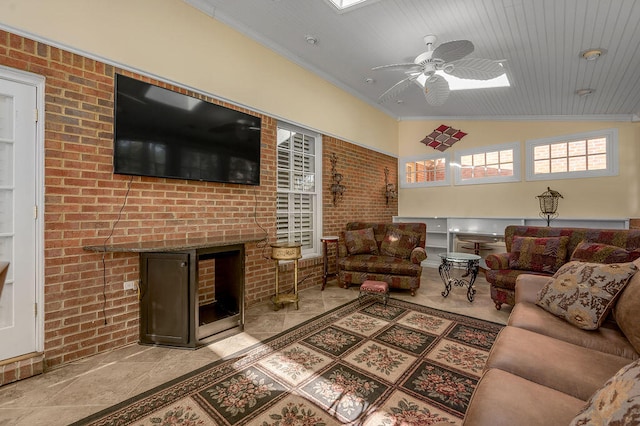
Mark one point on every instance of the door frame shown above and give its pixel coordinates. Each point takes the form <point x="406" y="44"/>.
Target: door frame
<point x="37" y="81"/>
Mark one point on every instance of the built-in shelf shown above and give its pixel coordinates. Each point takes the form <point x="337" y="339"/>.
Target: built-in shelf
<point x="453" y="233"/>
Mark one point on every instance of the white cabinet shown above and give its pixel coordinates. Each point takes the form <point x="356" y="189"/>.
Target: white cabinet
<point x="453" y="233"/>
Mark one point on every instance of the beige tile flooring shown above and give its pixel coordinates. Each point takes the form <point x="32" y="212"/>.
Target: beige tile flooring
<point x="69" y="393"/>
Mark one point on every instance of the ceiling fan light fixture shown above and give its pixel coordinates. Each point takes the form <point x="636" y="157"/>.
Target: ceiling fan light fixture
<point x="592" y="54"/>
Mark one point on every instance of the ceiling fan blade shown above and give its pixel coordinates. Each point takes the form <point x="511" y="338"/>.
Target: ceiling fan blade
<point x="436" y="90"/>
<point x="475" y="69"/>
<point x="400" y="67"/>
<point x="397" y="88"/>
<point x="453" y="50"/>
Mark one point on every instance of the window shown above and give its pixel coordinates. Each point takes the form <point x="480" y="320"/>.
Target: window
<point x="574" y="156"/>
<point x="423" y="171"/>
<point x="299" y="183"/>
<point x="491" y="164"/>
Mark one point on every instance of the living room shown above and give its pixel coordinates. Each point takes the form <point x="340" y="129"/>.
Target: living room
<point x="78" y="48"/>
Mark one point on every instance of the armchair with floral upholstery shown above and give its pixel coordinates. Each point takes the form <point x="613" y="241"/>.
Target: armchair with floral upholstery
<point x="389" y="252"/>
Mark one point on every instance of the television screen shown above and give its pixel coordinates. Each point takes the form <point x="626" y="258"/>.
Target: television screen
<point x="162" y="133"/>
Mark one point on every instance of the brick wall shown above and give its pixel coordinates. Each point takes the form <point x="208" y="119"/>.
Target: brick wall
<point x="363" y="177"/>
<point x="84" y="199"/>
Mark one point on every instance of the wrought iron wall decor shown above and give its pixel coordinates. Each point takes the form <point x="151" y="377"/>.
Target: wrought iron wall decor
<point x="549" y="204"/>
<point x="389" y="188"/>
<point x="337" y="189"/>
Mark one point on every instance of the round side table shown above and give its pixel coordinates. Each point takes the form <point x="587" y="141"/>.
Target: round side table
<point x="467" y="261"/>
<point x="286" y="251"/>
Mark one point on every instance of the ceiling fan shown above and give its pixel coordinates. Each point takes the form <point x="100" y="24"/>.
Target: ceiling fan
<point x="448" y="57"/>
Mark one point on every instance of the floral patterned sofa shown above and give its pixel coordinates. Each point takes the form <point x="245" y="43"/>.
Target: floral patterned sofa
<point x="543" y="250"/>
<point x="389" y="252"/>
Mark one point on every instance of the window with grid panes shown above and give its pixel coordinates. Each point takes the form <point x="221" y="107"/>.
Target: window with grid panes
<point x="298" y="182"/>
<point x="424" y="171"/>
<point x="490" y="164"/>
<point x="573" y="156"/>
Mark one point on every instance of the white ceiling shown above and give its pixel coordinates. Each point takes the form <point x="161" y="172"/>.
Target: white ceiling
<point x="540" y="40"/>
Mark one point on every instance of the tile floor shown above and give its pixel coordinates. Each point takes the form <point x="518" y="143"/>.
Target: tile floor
<point x="69" y="393"/>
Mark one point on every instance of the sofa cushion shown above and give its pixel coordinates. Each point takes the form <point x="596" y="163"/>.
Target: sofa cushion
<point x="492" y="403"/>
<point x="616" y="403"/>
<point x="376" y="264"/>
<point x="506" y="278"/>
<point x="560" y="365"/>
<point x="584" y="293"/>
<point x="608" y="338"/>
<point x="538" y="254"/>
<point x="360" y="241"/>
<point x="626" y="310"/>
<point x="594" y="252"/>
<point x="399" y="242"/>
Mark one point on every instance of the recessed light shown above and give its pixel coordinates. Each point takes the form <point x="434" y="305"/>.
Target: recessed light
<point x="584" y="92"/>
<point x="311" y="40"/>
<point x="592" y="54"/>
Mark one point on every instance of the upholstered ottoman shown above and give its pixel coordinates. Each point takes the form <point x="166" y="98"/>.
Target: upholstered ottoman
<point x="375" y="288"/>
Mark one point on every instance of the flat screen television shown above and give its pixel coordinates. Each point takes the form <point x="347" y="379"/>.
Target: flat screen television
<point x="162" y="133"/>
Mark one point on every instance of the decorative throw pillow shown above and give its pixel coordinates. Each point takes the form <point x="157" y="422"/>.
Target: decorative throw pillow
<point x="587" y="251"/>
<point x="617" y="402"/>
<point x="399" y="243"/>
<point x="584" y="293"/>
<point x="538" y="254"/>
<point x="361" y="241"/>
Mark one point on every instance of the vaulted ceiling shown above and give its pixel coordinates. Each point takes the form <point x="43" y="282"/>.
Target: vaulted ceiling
<point x="540" y="42"/>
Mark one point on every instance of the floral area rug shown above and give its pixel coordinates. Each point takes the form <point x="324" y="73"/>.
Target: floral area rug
<point x="363" y="363"/>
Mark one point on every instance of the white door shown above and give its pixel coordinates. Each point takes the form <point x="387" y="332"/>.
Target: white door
<point x="18" y="217"/>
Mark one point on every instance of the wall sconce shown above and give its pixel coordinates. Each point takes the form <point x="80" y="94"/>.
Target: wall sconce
<point x="337" y="189"/>
<point x="389" y="188"/>
<point x="549" y="204"/>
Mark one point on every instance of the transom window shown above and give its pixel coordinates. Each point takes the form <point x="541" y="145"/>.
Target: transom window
<point x="491" y="164"/>
<point x="423" y="171"/>
<point x="573" y="156"/>
<point x="298" y="181"/>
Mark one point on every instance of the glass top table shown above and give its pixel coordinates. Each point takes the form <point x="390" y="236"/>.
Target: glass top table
<point x="468" y="263"/>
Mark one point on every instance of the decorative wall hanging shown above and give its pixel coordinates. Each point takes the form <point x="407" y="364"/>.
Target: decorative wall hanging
<point x="337" y="189"/>
<point x="443" y="137"/>
<point x="389" y="188"/>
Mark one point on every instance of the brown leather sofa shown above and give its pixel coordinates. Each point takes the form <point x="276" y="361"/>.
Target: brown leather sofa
<point x="542" y="370"/>
<point x="504" y="268"/>
<point x="389" y="252"/>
